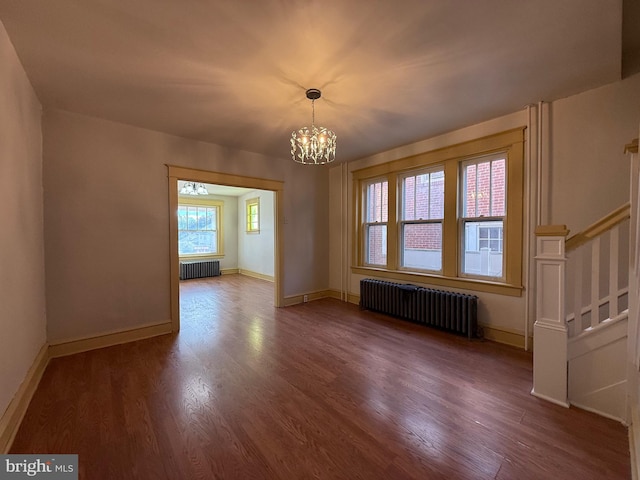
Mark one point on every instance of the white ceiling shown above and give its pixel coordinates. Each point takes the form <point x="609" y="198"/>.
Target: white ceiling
<point x="234" y="72"/>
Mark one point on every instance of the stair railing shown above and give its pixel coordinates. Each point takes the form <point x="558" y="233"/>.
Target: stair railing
<point x="593" y="267"/>
<point x="597" y="282"/>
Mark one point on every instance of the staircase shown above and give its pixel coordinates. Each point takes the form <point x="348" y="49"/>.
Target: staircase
<point x="586" y="328"/>
<point x="596" y="306"/>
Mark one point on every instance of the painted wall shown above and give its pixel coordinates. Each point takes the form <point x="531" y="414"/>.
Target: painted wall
<point x="589" y="169"/>
<point x="255" y="250"/>
<point x="585" y="176"/>
<point x="22" y="287"/>
<point x="501" y="312"/>
<point x="107" y="233"/>
<point x="230" y="230"/>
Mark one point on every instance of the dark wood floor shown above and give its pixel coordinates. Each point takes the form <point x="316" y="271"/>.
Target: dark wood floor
<point x="320" y="390"/>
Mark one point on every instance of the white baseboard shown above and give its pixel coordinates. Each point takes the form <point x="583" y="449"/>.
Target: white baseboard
<point x="598" y="412"/>
<point x="634" y="443"/>
<point x="12" y="417"/>
<point x="550" y="399"/>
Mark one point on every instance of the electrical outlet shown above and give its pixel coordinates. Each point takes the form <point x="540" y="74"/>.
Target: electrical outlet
<point x="305" y="298"/>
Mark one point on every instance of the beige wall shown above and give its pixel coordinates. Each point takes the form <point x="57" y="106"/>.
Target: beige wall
<point x="585" y="176"/>
<point x="589" y="169"/>
<point x="256" y="250"/>
<point x="22" y="288"/>
<point x="107" y="220"/>
<point x="501" y="312"/>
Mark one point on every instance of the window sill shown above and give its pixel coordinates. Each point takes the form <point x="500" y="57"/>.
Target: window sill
<point x="430" y="279"/>
<point x="190" y="256"/>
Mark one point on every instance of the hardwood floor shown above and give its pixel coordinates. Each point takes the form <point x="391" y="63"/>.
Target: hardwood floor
<point x="319" y="390"/>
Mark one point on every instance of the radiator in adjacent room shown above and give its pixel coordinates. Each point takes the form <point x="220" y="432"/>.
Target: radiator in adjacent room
<point x="199" y="269"/>
<point x="455" y="312"/>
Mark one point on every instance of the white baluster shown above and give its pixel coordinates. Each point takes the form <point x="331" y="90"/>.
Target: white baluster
<point x="613" y="272"/>
<point x="595" y="282"/>
<point x="577" y="291"/>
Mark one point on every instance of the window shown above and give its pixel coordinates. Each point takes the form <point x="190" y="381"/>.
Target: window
<point x="198" y="227"/>
<point x="450" y="217"/>
<point x="376" y="216"/>
<point x="483" y="210"/>
<point x="421" y="220"/>
<point x="253" y="215"/>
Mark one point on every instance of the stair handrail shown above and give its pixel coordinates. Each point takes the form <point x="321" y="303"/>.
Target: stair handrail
<point x="606" y="223"/>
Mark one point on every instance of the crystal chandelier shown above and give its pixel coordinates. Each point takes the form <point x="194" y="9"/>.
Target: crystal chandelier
<point x="193" y="188"/>
<point x="313" y="145"/>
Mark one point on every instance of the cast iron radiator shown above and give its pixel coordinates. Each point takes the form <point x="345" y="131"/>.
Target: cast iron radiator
<point x="199" y="269"/>
<point x="454" y="312"/>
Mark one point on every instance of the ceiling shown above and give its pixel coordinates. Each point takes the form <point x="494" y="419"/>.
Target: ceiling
<point x="235" y="72"/>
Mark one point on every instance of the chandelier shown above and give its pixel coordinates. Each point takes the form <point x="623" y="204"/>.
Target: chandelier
<point x="193" y="188"/>
<point x="313" y="145"/>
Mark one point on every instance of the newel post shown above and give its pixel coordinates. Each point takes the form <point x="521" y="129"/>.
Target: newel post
<point x="550" y="327"/>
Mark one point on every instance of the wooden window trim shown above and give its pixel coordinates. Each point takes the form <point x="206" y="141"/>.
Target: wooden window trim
<point x="202" y="202"/>
<point x="511" y="143"/>
<point x="248" y="203"/>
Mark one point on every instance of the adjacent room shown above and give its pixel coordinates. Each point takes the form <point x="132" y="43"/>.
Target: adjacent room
<point x="334" y="240"/>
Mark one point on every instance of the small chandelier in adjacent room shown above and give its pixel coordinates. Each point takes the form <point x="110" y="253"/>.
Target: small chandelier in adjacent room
<point x="193" y="188"/>
<point x="313" y="145"/>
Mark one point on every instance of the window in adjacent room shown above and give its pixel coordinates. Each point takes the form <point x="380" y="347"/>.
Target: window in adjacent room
<point x="198" y="228"/>
<point x="253" y="215"/>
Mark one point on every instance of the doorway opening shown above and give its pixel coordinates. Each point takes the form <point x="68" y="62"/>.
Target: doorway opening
<point x="250" y="184"/>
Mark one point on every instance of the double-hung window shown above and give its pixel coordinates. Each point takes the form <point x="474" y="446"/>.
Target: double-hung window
<point x="198" y="227"/>
<point x="376" y="218"/>
<point x="450" y="217"/>
<point x="483" y="213"/>
<point x="421" y="220"/>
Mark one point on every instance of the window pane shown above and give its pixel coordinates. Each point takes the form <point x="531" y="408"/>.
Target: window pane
<point x="197" y="227"/>
<point x="211" y="219"/>
<point x="377" y="202"/>
<point x="409" y="195"/>
<point x="376" y="253"/>
<point x="498" y="190"/>
<point x="190" y="242"/>
<point x="483" y="248"/>
<point x="423" y="196"/>
<point x="193" y="218"/>
<point x="422" y="246"/>
<point x="484" y="189"/>
<point x="253" y="215"/>
<point x="469" y="207"/>
<point x="436" y="196"/>
<point x="182" y="218"/>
